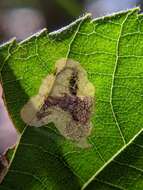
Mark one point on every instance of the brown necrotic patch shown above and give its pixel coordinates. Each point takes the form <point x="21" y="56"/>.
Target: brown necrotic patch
<point x="80" y="109"/>
<point x="65" y="99"/>
<point x="73" y="83"/>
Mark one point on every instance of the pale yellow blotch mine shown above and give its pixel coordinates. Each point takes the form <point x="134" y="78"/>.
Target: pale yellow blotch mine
<point x="30" y="109"/>
<point x="57" y="85"/>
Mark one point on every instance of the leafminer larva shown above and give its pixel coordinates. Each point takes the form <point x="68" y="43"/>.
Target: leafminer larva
<point x="65" y="98"/>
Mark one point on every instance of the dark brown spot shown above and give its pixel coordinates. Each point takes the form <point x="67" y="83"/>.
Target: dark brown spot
<point x="80" y="109"/>
<point x="73" y="83"/>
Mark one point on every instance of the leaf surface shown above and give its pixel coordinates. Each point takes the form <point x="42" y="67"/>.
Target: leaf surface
<point x="124" y="172"/>
<point x="110" y="51"/>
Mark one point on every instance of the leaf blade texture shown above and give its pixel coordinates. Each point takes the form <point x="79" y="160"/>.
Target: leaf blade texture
<point x="107" y="49"/>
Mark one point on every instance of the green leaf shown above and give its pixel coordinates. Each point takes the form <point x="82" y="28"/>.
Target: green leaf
<point x="124" y="172"/>
<point x="107" y="53"/>
<point x="39" y="163"/>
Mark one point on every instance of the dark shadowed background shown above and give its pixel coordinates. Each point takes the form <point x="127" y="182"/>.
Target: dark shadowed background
<point x="21" y="18"/>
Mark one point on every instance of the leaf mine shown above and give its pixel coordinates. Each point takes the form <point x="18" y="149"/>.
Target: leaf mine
<point x="65" y="98"/>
